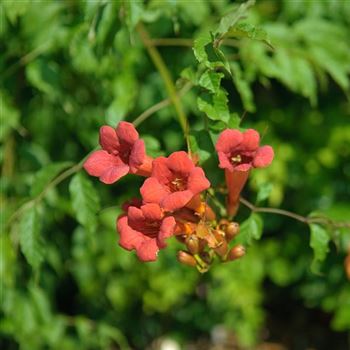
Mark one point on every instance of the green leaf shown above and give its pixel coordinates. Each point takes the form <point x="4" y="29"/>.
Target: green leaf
<point x="29" y="238"/>
<point x="108" y="25"/>
<point x="243" y="87"/>
<point x="44" y="76"/>
<point x="319" y="241"/>
<point x="85" y="201"/>
<point x="152" y="146"/>
<point x="264" y="192"/>
<point x="252" y="228"/>
<point x="231" y="19"/>
<point x="134" y="11"/>
<point x="247" y="30"/>
<point x="234" y="121"/>
<point x="217" y="107"/>
<point x="15" y="9"/>
<point x="211" y="80"/>
<point x="199" y="47"/>
<point x="9" y="116"/>
<point x="201" y="144"/>
<point x="45" y="175"/>
<point x="125" y="90"/>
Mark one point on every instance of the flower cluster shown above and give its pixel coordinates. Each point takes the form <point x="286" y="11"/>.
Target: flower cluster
<point x="171" y="202"/>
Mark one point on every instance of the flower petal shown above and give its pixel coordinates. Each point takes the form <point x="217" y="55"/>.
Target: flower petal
<point x="126" y="132"/>
<point x="108" y="139"/>
<point x="228" y="140"/>
<point x="176" y="200"/>
<point x="148" y="250"/>
<point x="100" y="161"/>
<point x="242" y="167"/>
<point x="251" y="140"/>
<point x="129" y="238"/>
<point x="224" y="162"/>
<point x="166" y="230"/>
<point x="160" y="170"/>
<point x="135" y="215"/>
<point x="152" y="211"/>
<point x="180" y="162"/>
<point x="137" y="155"/>
<point x="113" y="174"/>
<point x="197" y="182"/>
<point x="263" y="157"/>
<point x="152" y="191"/>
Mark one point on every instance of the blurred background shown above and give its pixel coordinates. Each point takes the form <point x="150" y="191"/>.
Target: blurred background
<point x="68" y="67"/>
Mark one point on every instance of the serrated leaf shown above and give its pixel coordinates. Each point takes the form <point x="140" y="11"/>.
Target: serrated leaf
<point x="247" y="30"/>
<point x="252" y="228"/>
<point x="217" y="107"/>
<point x="85" y="201"/>
<point x="211" y="80"/>
<point x="45" y="175"/>
<point x="199" y="47"/>
<point x="231" y="19"/>
<point x="29" y="238"/>
<point x="319" y="241"/>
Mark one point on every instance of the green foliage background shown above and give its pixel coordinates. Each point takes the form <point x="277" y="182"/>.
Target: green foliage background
<point x="68" y="67"/>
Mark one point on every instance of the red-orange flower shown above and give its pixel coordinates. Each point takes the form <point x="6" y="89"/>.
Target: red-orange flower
<point x="240" y="151"/>
<point x="122" y="153"/>
<point x="174" y="182"/>
<point x="145" y="229"/>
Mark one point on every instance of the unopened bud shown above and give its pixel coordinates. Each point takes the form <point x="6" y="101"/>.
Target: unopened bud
<point x="223" y="223"/>
<point x="186" y="258"/>
<point x="221" y="249"/>
<point x="192" y="244"/>
<point x="236" y="252"/>
<point x="232" y="230"/>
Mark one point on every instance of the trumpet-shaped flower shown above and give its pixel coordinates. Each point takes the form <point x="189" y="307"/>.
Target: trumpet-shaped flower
<point x="122" y="153"/>
<point x="174" y="181"/>
<point x="239" y="151"/>
<point x="145" y="229"/>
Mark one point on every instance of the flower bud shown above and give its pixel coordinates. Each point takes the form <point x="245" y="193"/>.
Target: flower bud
<point x="232" y="230"/>
<point x="221" y="249"/>
<point x="186" y="258"/>
<point x="236" y="252"/>
<point x="223" y="224"/>
<point x="192" y="244"/>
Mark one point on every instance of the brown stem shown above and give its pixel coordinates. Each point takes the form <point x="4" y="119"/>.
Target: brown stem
<point x="304" y="219"/>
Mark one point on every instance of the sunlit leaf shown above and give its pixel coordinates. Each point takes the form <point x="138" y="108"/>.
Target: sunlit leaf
<point x="211" y="80"/>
